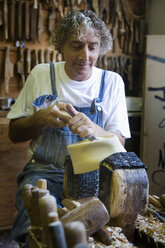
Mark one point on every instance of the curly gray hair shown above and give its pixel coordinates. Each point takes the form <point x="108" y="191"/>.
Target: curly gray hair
<point x="74" y="22"/>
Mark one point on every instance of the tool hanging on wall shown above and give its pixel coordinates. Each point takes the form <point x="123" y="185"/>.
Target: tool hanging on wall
<point x="47" y="55"/>
<point x="39" y="30"/>
<point x="42" y="59"/>
<point x="1" y="17"/>
<point x="28" y="60"/>
<point x="27" y="20"/>
<point x="33" y="23"/>
<point x="9" y="69"/>
<point x="20" y="66"/>
<point x="12" y="20"/>
<point x="36" y="57"/>
<point x="52" y="20"/>
<point x="54" y="57"/>
<point x="19" y="20"/>
<point x="5" y="9"/>
<point x="101" y="8"/>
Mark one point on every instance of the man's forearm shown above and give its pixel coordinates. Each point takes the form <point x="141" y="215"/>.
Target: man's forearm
<point x="24" y="129"/>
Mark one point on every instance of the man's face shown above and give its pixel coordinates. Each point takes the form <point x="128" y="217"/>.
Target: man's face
<point x="81" y="54"/>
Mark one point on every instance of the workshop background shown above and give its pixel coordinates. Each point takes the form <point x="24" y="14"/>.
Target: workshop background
<point x="25" y="30"/>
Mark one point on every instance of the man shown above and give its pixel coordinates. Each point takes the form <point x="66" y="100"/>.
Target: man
<point x="94" y="98"/>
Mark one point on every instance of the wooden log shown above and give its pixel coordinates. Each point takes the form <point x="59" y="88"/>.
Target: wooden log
<point x="123" y="189"/>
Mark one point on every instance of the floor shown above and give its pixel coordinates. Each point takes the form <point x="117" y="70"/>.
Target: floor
<point x="6" y="240"/>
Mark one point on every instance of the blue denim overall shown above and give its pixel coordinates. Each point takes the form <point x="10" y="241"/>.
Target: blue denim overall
<point x="49" y="156"/>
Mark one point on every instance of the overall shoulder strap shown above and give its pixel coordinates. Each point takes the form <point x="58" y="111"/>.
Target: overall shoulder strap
<point x="52" y="77"/>
<point x="101" y="92"/>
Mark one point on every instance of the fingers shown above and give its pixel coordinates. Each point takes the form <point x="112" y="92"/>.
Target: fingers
<point x="71" y="109"/>
<point x="81" y="125"/>
<point x="60" y="111"/>
<point x="66" y="114"/>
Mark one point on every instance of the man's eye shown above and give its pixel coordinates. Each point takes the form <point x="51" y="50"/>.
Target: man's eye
<point x="76" y="47"/>
<point x="93" y="47"/>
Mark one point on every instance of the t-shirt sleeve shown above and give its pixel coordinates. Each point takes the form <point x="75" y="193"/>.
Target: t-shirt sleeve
<point x="23" y="106"/>
<point x="117" y="120"/>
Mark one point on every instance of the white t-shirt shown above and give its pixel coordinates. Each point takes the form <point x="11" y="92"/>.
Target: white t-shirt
<point x="78" y="93"/>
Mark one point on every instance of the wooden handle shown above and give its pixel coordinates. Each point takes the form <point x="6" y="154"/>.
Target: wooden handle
<point x="103" y="236"/>
<point x="57" y="235"/>
<point x="35" y="207"/>
<point x="42" y="184"/>
<point x="75" y="233"/>
<point x="71" y="204"/>
<point x="53" y="216"/>
<point x="162" y="200"/>
<point x="27" y="198"/>
<point x="47" y="204"/>
<point x="154" y="201"/>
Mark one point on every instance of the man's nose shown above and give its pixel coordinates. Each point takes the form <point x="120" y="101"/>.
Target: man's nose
<point x="84" y="53"/>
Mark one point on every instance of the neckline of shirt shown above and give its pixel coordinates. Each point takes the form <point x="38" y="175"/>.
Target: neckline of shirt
<point x="65" y="78"/>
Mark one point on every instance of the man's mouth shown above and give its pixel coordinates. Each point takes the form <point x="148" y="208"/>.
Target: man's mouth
<point x="83" y="64"/>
